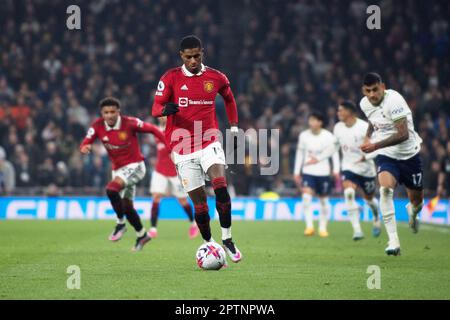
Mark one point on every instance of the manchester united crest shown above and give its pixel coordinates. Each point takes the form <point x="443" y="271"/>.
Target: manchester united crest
<point x="208" y="86"/>
<point x="123" y="135"/>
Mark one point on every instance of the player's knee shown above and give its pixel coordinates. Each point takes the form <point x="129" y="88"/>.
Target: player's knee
<point x="349" y="194"/>
<point x="386" y="192"/>
<point x="307" y="198"/>
<point x="386" y="200"/>
<point x="324" y="201"/>
<point x="113" y="186"/>
<point x="220" y="189"/>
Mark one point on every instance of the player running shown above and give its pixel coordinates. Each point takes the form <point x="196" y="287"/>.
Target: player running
<point x="165" y="182"/>
<point x="391" y="133"/>
<point x="118" y="134"/>
<point x="314" y="149"/>
<point x="186" y="95"/>
<point x="358" y="170"/>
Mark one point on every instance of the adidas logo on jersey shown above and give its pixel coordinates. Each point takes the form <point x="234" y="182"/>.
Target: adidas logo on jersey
<point x="184" y="87"/>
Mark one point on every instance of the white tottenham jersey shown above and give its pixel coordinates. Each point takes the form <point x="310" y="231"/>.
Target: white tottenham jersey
<point x="382" y="117"/>
<point x="350" y="139"/>
<point x="321" y="146"/>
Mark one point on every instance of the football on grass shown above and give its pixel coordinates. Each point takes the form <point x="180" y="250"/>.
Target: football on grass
<point x="211" y="256"/>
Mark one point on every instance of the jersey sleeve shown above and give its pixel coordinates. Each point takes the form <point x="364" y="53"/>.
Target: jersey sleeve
<point x="230" y="102"/>
<point x="90" y="136"/>
<point x="398" y="108"/>
<point x="299" y="155"/>
<point x="144" y="127"/>
<point x="163" y="94"/>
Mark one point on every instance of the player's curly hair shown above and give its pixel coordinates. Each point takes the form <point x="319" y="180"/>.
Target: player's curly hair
<point x="109" y="101"/>
<point x="190" y="42"/>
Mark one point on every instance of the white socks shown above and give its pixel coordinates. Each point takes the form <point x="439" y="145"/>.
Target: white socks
<point x="388" y="212"/>
<point x="352" y="209"/>
<point x="307" y="211"/>
<point x="324" y="213"/>
<point x="140" y="233"/>
<point x="121" y="221"/>
<point x="226" y="233"/>
<point x="373" y="205"/>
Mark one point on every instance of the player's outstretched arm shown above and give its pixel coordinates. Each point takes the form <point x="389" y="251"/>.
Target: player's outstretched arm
<point x="145" y="127"/>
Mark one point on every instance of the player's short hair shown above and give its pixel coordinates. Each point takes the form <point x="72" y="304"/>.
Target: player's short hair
<point x="109" y="101"/>
<point x="349" y="105"/>
<point x="319" y="116"/>
<point x="190" y="42"/>
<point x="372" y="78"/>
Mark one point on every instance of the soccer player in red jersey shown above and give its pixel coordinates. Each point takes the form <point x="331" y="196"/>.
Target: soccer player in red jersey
<point x="118" y="135"/>
<point x="186" y="95"/>
<point x="165" y="182"/>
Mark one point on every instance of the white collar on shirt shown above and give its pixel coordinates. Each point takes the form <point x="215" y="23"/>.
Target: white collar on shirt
<point x="116" y="126"/>
<point x="187" y="73"/>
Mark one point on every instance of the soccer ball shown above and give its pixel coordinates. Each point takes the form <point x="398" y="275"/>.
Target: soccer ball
<point x="211" y="256"/>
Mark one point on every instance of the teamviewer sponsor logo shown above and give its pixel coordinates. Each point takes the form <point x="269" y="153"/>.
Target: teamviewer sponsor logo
<point x="183" y="102"/>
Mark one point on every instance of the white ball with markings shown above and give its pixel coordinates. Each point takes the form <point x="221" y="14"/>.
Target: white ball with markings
<point x="211" y="256"/>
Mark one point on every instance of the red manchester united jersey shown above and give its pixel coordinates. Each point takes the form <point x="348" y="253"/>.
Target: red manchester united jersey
<point x="164" y="164"/>
<point x="195" y="125"/>
<point x="121" y="141"/>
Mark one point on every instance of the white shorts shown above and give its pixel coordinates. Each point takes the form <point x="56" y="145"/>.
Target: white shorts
<point x="169" y="186"/>
<point x="131" y="174"/>
<point x="192" y="167"/>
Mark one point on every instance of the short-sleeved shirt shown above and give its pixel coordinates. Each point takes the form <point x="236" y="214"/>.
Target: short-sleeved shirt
<point x="383" y="118"/>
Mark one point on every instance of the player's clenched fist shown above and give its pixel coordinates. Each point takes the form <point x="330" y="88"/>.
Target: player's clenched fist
<point x="85" y="149"/>
<point x="368" y="147"/>
<point x="170" y="108"/>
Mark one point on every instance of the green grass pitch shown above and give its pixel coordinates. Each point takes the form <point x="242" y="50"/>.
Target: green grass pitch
<point x="279" y="263"/>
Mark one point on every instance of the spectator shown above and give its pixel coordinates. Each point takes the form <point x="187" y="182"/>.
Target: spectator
<point x="7" y="174"/>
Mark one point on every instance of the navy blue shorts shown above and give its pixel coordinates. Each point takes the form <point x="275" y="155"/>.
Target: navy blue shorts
<point x="368" y="185"/>
<point x="408" y="172"/>
<point x="320" y="184"/>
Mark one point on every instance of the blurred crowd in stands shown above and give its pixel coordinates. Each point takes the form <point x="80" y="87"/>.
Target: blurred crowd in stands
<point x="291" y="57"/>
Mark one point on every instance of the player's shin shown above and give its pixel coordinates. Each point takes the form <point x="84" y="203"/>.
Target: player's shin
<point x="373" y="205"/>
<point x="154" y="214"/>
<point x="202" y="219"/>
<point x="324" y="215"/>
<point x="388" y="213"/>
<point x="113" y="192"/>
<point x="133" y="218"/>
<point x="223" y="205"/>
<point x="188" y="209"/>
<point x="352" y="209"/>
<point x="307" y="211"/>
